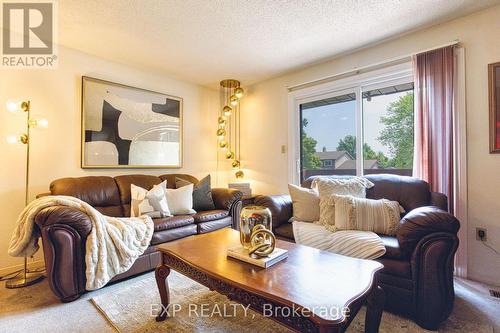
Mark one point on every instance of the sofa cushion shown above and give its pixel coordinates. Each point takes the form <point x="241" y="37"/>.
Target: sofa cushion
<point x="209" y="226"/>
<point x="284" y="231"/>
<point x="172" y="234"/>
<point x="98" y="191"/>
<point x="410" y="192"/>
<point x="172" y="222"/>
<point x="210" y="215"/>
<point x="399" y="267"/>
<point x="392" y="248"/>
<point x="170" y="178"/>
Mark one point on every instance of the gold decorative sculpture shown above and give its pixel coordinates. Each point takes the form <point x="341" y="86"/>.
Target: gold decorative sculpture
<point x="262" y="241"/>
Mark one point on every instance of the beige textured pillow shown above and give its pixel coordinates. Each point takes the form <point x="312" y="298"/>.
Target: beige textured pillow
<point x="355" y="186"/>
<point x="305" y="203"/>
<point x="380" y="216"/>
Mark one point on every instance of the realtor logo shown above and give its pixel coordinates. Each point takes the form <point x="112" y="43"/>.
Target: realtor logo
<point x="28" y="34"/>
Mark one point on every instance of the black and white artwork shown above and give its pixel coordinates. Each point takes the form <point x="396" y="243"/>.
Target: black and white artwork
<point x="126" y="127"/>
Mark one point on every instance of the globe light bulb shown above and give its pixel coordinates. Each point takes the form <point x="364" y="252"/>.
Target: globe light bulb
<point x="233" y="100"/>
<point x="12" y="139"/>
<point x="239" y="92"/>
<point x="42" y="123"/>
<point x="227" y="110"/>
<point x="13" y="106"/>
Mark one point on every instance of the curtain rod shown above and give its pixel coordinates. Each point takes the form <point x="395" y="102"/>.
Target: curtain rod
<point x="367" y="68"/>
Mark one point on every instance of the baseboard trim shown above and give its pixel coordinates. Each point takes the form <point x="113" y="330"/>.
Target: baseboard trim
<point x="31" y="265"/>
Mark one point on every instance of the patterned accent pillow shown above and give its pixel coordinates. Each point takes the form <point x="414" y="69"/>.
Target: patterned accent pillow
<point x="351" y="213"/>
<point x="152" y="203"/>
<point x="355" y="187"/>
<point x="202" y="193"/>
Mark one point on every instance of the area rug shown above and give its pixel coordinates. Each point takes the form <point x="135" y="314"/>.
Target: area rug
<point x="130" y="308"/>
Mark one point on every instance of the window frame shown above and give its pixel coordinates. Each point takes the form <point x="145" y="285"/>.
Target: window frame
<point x="358" y="83"/>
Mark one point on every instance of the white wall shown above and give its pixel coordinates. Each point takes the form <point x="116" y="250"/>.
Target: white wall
<point x="56" y="94"/>
<point x="265" y="129"/>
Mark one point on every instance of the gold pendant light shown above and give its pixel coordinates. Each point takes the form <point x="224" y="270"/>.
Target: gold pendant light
<point x="228" y="130"/>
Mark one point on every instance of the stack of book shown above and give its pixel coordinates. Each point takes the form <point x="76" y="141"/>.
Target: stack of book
<point x="243" y="188"/>
<point x="241" y="253"/>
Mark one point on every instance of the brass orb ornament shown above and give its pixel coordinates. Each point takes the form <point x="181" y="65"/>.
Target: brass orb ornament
<point x="222" y="121"/>
<point x="235" y="164"/>
<point x="223" y="145"/>
<point x="221" y="133"/>
<point x="239" y="174"/>
<point x="230" y="155"/>
<point x="227" y="110"/>
<point x="239" y="92"/>
<point x="233" y="100"/>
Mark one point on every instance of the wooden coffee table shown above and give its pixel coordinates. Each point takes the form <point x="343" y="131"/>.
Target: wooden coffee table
<point x="310" y="291"/>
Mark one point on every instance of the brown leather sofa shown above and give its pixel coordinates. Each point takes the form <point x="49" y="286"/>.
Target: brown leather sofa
<point x="64" y="230"/>
<point x="418" y="266"/>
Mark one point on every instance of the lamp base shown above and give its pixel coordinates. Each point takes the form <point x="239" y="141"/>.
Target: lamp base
<point x="20" y="282"/>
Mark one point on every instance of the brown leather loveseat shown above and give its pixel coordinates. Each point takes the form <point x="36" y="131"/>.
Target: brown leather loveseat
<point x="418" y="266"/>
<point x="64" y="230"/>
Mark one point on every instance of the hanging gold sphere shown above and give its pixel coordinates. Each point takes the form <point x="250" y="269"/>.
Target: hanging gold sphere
<point x="235" y="164"/>
<point x="238" y="92"/>
<point x="227" y="110"/>
<point x="239" y="174"/>
<point x="233" y="100"/>
<point x="222" y="121"/>
<point x="223" y="145"/>
<point x="221" y="132"/>
<point x="230" y="155"/>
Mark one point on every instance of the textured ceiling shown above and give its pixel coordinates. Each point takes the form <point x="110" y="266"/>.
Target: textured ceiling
<point x="207" y="40"/>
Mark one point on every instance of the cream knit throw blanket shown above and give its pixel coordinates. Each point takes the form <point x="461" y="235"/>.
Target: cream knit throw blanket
<point x="352" y="243"/>
<point x="112" y="245"/>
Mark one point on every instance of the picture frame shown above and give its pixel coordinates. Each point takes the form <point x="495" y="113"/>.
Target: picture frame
<point x="128" y="127"/>
<point x="494" y="106"/>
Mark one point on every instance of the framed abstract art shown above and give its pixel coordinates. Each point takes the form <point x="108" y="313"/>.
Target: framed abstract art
<point x="127" y="127"/>
<point x="494" y="96"/>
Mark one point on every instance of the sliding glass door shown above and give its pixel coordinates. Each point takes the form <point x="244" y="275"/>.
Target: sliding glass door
<point x="365" y="129"/>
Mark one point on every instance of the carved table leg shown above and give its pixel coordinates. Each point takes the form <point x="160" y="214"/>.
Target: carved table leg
<point x="374" y="308"/>
<point x="161" y="274"/>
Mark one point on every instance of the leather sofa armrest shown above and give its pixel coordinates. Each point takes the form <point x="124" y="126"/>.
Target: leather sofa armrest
<point x="439" y="200"/>
<point x="64" y="233"/>
<point x="424" y="221"/>
<point x="279" y="205"/>
<point x="68" y="216"/>
<point x="224" y="198"/>
<point x="45" y="194"/>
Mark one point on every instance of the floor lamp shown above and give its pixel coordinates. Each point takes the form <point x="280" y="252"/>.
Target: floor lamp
<point x="26" y="278"/>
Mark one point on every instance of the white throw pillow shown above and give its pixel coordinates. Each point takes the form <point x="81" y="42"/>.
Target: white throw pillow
<point x="355" y="186"/>
<point x="180" y="200"/>
<point x="351" y="213"/>
<point x="152" y="203"/>
<point x="305" y="203"/>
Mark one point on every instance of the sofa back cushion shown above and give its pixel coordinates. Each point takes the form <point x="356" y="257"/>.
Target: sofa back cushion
<point x="410" y="192"/>
<point x="124" y="183"/>
<point x="100" y="192"/>
<point x="170" y="178"/>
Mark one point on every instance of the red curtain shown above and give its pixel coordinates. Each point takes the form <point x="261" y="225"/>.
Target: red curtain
<point x="434" y="108"/>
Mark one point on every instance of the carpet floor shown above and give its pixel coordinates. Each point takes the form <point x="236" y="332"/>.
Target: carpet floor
<point x="127" y="306"/>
